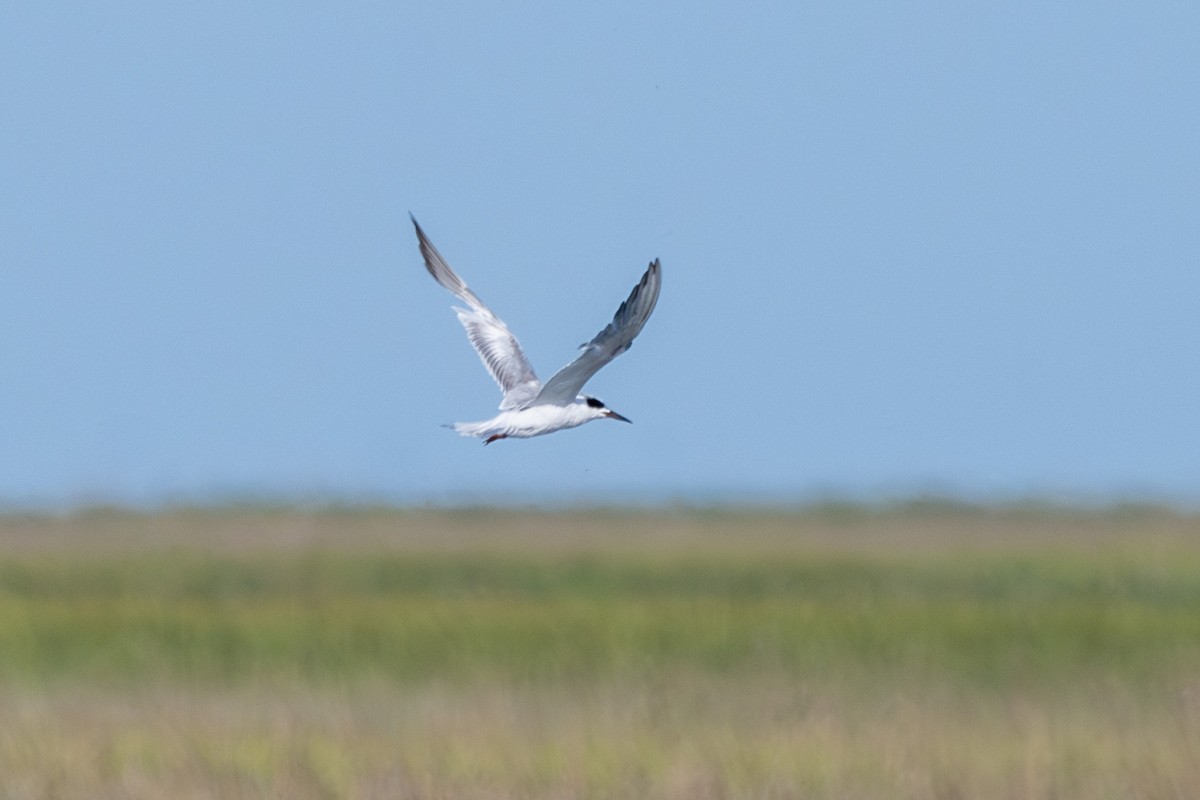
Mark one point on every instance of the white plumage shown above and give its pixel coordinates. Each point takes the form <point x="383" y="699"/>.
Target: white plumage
<point x="529" y="408"/>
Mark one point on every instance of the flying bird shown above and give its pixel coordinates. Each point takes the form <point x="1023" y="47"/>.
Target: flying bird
<point x="529" y="407"/>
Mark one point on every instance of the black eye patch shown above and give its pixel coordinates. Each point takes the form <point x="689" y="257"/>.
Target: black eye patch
<point x="594" y="403"/>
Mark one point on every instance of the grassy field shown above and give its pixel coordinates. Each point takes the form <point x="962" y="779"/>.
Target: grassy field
<point x="925" y="651"/>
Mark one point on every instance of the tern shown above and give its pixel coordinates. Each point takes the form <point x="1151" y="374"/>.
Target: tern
<point x="529" y="407"/>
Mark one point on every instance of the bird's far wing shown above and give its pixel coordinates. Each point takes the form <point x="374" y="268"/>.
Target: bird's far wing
<point x="491" y="338"/>
<point x="609" y="343"/>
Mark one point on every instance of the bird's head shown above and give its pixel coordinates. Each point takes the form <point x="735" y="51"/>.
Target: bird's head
<point x="601" y="411"/>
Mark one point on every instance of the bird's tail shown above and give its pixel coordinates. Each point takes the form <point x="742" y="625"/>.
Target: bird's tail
<point x="469" y="428"/>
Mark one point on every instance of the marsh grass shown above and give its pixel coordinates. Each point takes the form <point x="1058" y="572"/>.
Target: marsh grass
<point x="923" y="652"/>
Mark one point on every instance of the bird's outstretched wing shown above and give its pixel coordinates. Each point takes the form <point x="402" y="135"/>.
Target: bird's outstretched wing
<point x="491" y="338"/>
<point x="609" y="343"/>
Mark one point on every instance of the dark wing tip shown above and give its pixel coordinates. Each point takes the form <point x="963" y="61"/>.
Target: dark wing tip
<point x="636" y="309"/>
<point x="436" y="264"/>
<point x="653" y="273"/>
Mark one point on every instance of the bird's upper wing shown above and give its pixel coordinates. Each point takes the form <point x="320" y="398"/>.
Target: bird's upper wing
<point x="491" y="338"/>
<point x="609" y="343"/>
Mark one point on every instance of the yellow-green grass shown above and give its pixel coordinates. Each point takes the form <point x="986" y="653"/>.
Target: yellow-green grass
<point x="924" y="651"/>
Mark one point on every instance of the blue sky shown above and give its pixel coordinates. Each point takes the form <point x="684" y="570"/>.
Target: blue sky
<point x="905" y="247"/>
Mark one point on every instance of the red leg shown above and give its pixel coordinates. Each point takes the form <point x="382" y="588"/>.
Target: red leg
<point x="495" y="437"/>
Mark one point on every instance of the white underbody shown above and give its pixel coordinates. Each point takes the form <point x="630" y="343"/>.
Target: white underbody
<point x="533" y="421"/>
<point x="530" y="407"/>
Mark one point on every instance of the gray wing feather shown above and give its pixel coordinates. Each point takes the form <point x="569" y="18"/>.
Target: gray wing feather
<point x="498" y="349"/>
<point x="609" y="343"/>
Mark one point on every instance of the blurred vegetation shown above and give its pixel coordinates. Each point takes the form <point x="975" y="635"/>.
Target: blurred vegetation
<point x="836" y="628"/>
<point x="992" y="620"/>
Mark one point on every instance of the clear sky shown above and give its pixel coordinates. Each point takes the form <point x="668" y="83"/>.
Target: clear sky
<point x="906" y="247"/>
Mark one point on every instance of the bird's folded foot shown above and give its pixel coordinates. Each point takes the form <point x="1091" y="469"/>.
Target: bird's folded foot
<point x="495" y="437"/>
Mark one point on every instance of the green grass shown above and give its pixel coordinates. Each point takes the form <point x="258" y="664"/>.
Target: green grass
<point x="924" y="651"/>
<point x="987" y="621"/>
